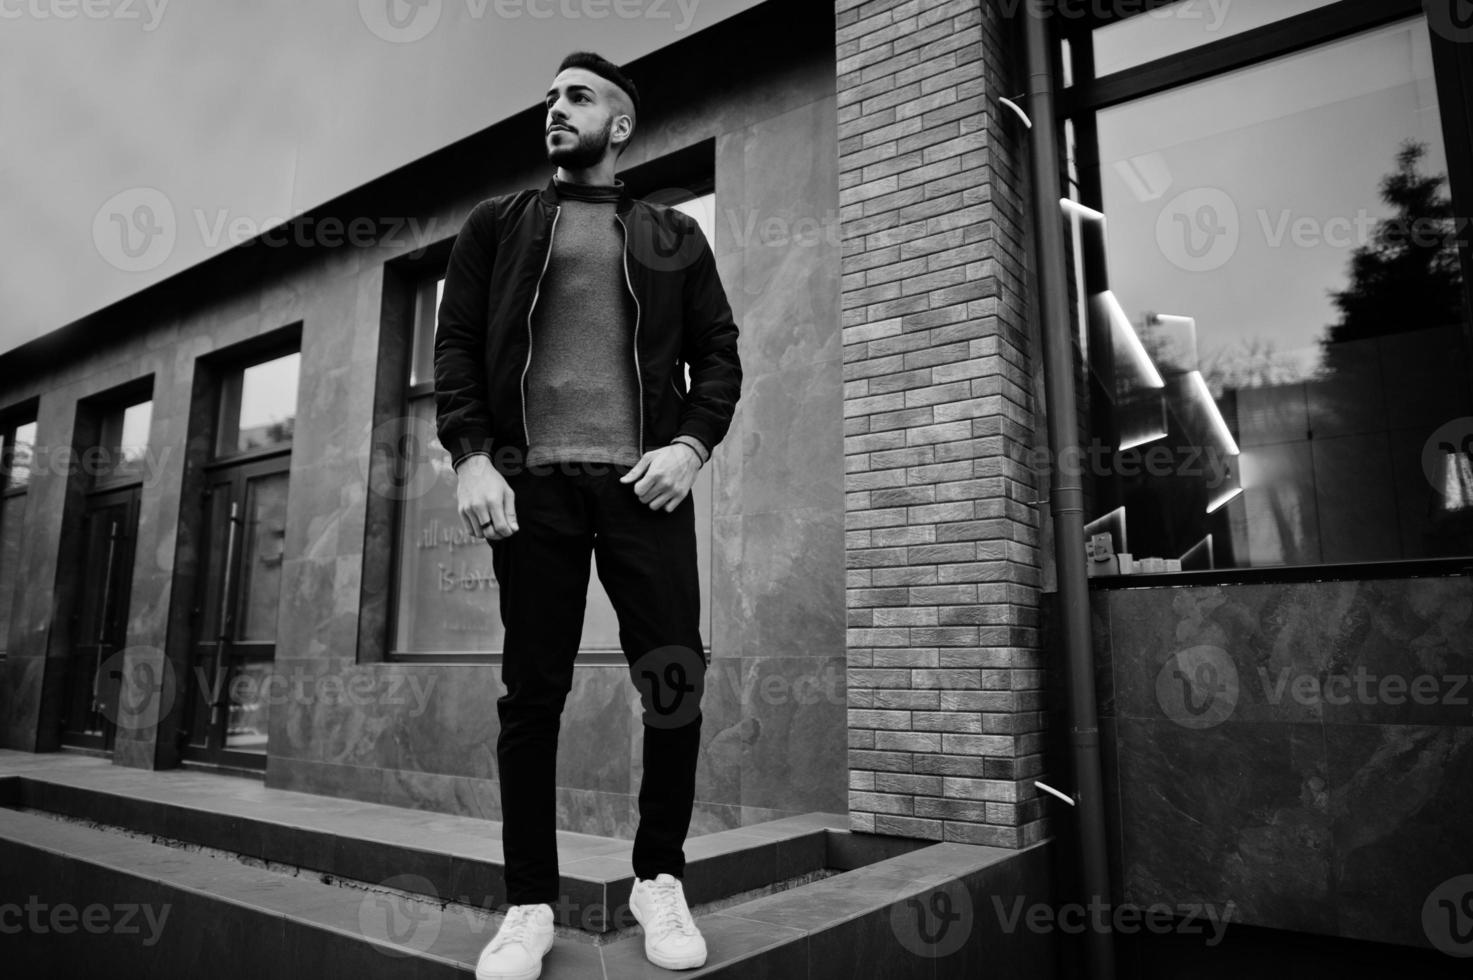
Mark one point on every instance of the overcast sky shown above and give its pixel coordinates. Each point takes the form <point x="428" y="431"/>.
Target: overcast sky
<point x="142" y="136"/>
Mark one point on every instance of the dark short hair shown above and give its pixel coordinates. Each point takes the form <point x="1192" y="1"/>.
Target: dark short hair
<point x="605" y="69"/>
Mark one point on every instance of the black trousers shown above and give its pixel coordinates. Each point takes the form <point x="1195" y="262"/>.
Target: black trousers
<point x="646" y="561"/>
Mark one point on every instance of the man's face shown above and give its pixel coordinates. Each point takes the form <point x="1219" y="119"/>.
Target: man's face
<point x="580" y="119"/>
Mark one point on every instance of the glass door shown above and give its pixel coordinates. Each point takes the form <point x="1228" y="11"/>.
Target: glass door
<point x="93" y="676"/>
<point x="234" y="643"/>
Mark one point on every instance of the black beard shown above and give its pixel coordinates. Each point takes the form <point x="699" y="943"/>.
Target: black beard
<point x="585" y="153"/>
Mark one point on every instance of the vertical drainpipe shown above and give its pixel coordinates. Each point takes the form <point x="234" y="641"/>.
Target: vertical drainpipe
<point x="1066" y="493"/>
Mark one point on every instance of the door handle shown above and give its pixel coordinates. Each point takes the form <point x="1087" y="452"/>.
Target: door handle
<point x="107" y="586"/>
<point x="222" y="634"/>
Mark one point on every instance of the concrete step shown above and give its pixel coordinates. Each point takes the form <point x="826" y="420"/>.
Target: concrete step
<point x="121" y="872"/>
<point x="432" y="854"/>
<point x="100" y="901"/>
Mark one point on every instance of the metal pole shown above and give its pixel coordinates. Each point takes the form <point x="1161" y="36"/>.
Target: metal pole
<point x="1066" y="493"/>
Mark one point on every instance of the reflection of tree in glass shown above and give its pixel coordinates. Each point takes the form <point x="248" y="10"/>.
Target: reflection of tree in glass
<point x="1254" y="362"/>
<point x="1408" y="276"/>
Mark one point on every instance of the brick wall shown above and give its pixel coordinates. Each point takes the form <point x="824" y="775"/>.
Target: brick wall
<point x="942" y="531"/>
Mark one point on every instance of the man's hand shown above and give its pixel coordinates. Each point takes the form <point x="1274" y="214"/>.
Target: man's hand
<point x="665" y="475"/>
<point x="483" y="496"/>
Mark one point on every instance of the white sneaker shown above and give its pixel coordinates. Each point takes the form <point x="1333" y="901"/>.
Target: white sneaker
<point x="516" y="951"/>
<point x="671" y="938"/>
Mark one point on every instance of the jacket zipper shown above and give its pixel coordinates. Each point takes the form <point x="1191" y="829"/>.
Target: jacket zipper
<point x="638" y="378"/>
<point x="526" y="433"/>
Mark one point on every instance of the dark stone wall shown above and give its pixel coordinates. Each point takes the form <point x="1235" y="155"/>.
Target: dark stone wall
<point x="1303" y="751"/>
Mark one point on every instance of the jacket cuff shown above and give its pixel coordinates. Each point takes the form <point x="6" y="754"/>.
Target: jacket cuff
<point x="466" y="444"/>
<point x="701" y="451"/>
<point x="474" y="452"/>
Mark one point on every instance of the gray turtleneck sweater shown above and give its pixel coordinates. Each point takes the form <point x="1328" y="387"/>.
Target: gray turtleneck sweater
<point x="581" y="386"/>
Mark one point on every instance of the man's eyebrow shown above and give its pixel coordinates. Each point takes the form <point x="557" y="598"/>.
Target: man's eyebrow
<point x="553" y="91"/>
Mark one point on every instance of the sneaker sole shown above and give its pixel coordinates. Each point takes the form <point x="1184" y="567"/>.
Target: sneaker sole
<point x="530" y="974"/>
<point x="525" y="975"/>
<point x="668" y="962"/>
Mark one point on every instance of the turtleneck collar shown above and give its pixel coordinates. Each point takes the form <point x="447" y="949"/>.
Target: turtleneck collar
<point x="588" y="192"/>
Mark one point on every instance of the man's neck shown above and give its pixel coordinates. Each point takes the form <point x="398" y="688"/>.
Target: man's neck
<point x="601" y="176"/>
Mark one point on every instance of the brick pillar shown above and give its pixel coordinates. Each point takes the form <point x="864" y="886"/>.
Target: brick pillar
<point x="942" y="533"/>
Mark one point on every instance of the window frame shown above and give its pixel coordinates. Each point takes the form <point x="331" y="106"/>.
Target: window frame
<point x="1078" y="105"/>
<point x="691" y="171"/>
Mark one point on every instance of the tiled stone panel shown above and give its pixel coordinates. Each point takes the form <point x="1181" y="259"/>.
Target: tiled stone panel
<point x="942" y="534"/>
<point x="1321" y="779"/>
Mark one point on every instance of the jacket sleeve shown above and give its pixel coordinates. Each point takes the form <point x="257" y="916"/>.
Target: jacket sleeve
<point x="709" y="346"/>
<point x="462" y="410"/>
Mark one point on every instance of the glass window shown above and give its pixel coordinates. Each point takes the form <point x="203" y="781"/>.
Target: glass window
<point x="448" y="601"/>
<point x="1285" y="312"/>
<point x="20" y="451"/>
<point x="422" y="361"/>
<point x="124" y="441"/>
<point x="258" y="406"/>
<point x="16" y="459"/>
<point x="11" y="509"/>
<point x="1178" y="27"/>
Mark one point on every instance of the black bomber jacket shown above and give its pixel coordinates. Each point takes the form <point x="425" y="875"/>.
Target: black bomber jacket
<point x="483" y="339"/>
